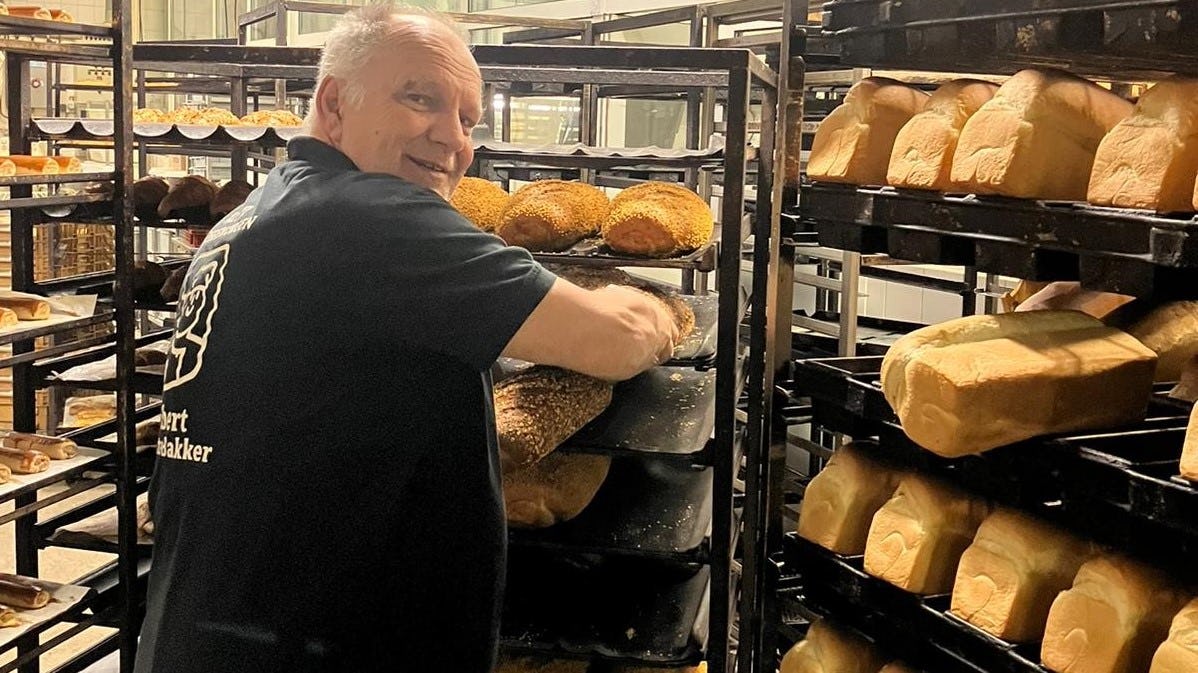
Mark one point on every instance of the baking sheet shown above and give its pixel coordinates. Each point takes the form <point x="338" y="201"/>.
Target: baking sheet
<point x="99" y="531"/>
<point x="58" y="468"/>
<point x="646" y="507"/>
<point x="620" y="609"/>
<point x="63" y="599"/>
<point x="668" y="410"/>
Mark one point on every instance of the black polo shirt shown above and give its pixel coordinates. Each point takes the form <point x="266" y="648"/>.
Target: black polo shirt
<point x="327" y="494"/>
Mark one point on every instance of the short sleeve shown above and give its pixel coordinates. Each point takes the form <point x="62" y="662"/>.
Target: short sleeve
<point x="444" y="285"/>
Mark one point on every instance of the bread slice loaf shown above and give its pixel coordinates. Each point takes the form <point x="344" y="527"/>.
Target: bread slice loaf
<point x="840" y="502"/>
<point x="1112" y="620"/>
<point x="922" y="157"/>
<point x="853" y="144"/>
<point x="1010" y="575"/>
<point x="1036" y="137"/>
<point x="1179" y="654"/>
<point x="916" y="539"/>
<point x="1150" y="159"/>
<point x="976" y="383"/>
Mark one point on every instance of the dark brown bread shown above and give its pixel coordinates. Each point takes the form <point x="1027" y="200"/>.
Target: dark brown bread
<point x="538" y="409"/>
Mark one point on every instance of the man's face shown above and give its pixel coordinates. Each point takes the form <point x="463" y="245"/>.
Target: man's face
<point x="421" y="102"/>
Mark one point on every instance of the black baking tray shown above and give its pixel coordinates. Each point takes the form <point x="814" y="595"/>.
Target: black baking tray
<point x="605" y="608"/>
<point x="594" y="252"/>
<point x="1116" y="486"/>
<point x="666" y="410"/>
<point x="917" y="629"/>
<point x="1116" y="250"/>
<point x="647" y="508"/>
<point x="1135" y="38"/>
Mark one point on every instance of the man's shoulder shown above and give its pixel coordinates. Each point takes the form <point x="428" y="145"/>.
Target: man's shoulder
<point x="354" y="189"/>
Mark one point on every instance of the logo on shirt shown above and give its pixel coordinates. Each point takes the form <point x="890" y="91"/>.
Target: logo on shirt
<point x="197" y="306"/>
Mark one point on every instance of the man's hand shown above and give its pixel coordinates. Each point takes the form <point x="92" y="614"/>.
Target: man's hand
<point x="613" y="333"/>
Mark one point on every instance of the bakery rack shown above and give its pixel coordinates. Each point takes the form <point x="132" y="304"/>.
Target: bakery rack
<point x="108" y="597"/>
<point x="671" y="510"/>
<point x="1116" y="486"/>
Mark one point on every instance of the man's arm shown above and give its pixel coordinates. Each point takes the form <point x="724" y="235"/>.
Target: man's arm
<point x="613" y="333"/>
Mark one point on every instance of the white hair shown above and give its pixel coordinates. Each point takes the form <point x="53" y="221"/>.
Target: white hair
<point x="356" y="37"/>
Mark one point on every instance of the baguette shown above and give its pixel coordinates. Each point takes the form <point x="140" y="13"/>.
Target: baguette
<point x="68" y="164"/>
<point x="22" y="592"/>
<point x="7" y="168"/>
<point x="23" y="461"/>
<point x="26" y="308"/>
<point x="55" y="447"/>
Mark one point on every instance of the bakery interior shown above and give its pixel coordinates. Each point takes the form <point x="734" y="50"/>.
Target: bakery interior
<point x="934" y="412"/>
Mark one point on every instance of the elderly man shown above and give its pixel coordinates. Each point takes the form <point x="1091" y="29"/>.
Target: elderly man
<point x="327" y="496"/>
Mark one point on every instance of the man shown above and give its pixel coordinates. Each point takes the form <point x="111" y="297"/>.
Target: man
<point x="326" y="496"/>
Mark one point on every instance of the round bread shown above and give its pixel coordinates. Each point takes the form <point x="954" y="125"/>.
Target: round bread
<point x="552" y="215"/>
<point x="480" y="201"/>
<point x="657" y="219"/>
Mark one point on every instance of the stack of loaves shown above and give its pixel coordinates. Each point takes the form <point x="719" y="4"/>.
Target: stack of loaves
<point x="538" y="409"/>
<point x="654" y="219"/>
<point x="1016" y="578"/>
<point x="1044" y="134"/>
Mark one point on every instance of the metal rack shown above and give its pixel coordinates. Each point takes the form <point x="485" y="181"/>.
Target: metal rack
<point x="744" y="362"/>
<point x="1118" y="487"/>
<point x="113" y="599"/>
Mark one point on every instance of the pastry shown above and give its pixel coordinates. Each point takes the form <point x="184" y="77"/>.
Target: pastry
<point x="57" y="448"/>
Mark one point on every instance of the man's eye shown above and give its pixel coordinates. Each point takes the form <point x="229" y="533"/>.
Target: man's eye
<point x="420" y="99"/>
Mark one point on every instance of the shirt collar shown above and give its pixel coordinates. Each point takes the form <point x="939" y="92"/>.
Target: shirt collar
<point x="307" y="148"/>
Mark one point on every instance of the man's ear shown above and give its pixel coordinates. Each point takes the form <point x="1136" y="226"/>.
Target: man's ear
<point x="329" y="101"/>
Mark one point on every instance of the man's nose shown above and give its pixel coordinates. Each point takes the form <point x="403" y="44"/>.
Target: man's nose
<point x="447" y="130"/>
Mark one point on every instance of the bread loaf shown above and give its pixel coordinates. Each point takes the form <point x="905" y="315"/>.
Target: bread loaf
<point x="1150" y="159"/>
<point x="30" y="12"/>
<point x="550" y="215"/>
<point x="853" y="144"/>
<point x="230" y="195"/>
<point x="23" y="592"/>
<point x="57" y="448"/>
<point x="209" y="116"/>
<point x="1012" y="572"/>
<point x="829" y="649"/>
<point x="972" y="384"/>
<point x="916" y="539"/>
<point x="555" y="489"/>
<point x="897" y="667"/>
<point x="24" y="461"/>
<point x="8" y="318"/>
<point x="27" y="308"/>
<point x="480" y="201"/>
<point x="922" y="157"/>
<point x="657" y="219"/>
<point x="840" y="502"/>
<point x="1179" y="653"/>
<point x="538" y="409"/>
<point x="1189" y="449"/>
<point x="31" y="165"/>
<point x="1171" y="331"/>
<point x="148" y="192"/>
<point x="513" y="664"/>
<point x="186" y="196"/>
<point x="1112" y="620"/>
<point x="1069" y="296"/>
<point x="1036" y="137"/>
